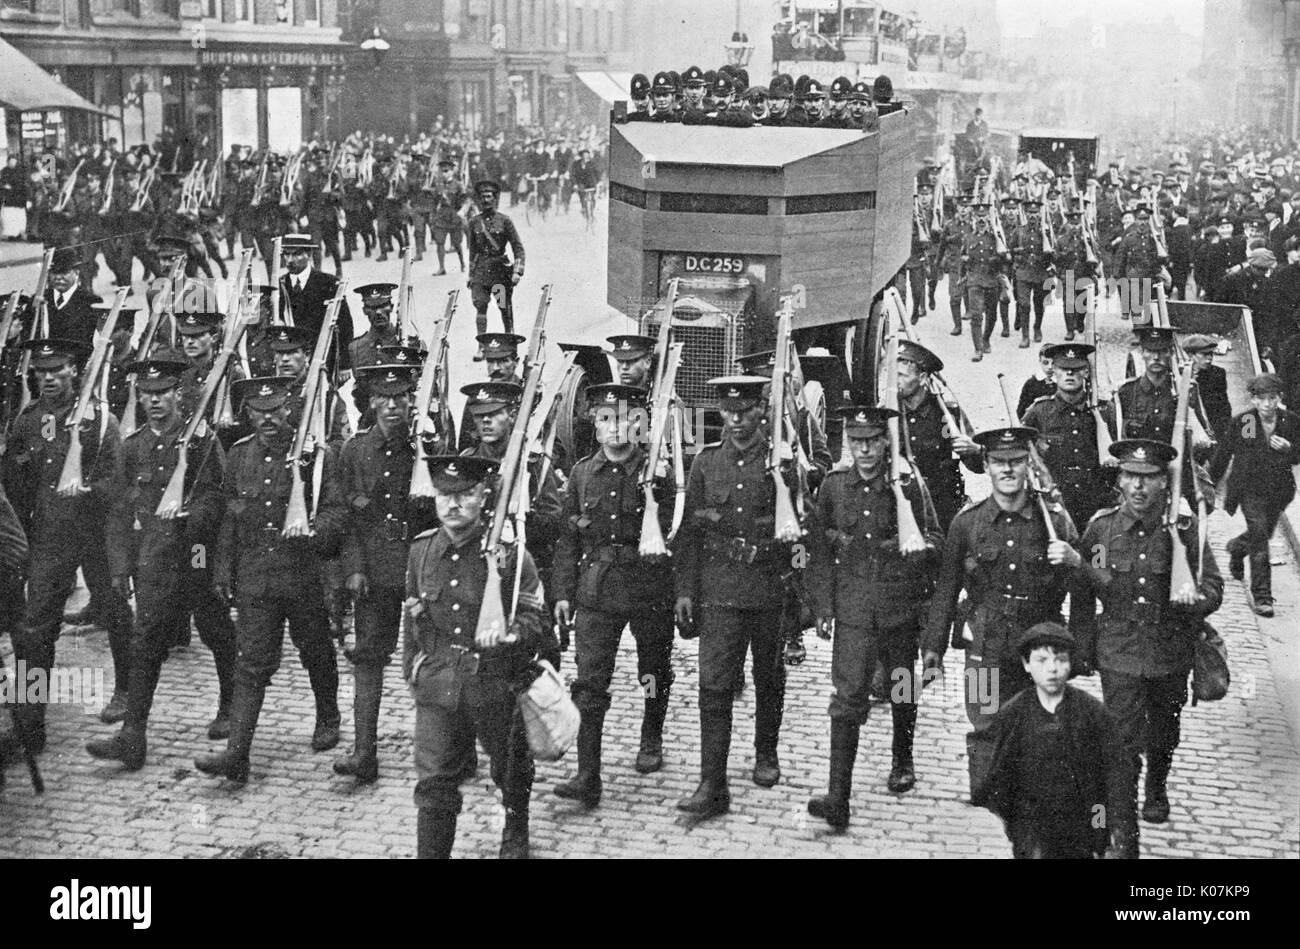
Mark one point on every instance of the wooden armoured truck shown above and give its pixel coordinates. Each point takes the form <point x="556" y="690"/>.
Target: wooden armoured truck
<point x="746" y="217"/>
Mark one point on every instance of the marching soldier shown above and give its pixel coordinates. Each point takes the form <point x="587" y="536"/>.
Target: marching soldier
<point x="271" y="577"/>
<point x="916" y="269"/>
<point x="59" y="529"/>
<point x="389" y="194"/>
<point x="602" y="584"/>
<point x="1072" y="256"/>
<point x="375" y="475"/>
<point x="321" y="203"/>
<point x="937" y="452"/>
<point x="1010" y="212"/>
<point x="981" y="266"/>
<point x="729" y="581"/>
<point x="290" y="344"/>
<point x="1142" y="641"/>
<point x="998" y="550"/>
<point x="871" y="596"/>
<point x="493" y="275"/>
<point x="200" y="333"/>
<point x="450" y="203"/>
<point x="1067" y="434"/>
<point x="948" y="259"/>
<point x="421" y="203"/>
<point x="1033" y="268"/>
<point x="1137" y="262"/>
<point x="160" y="555"/>
<point x="462" y="683"/>
<point x="364" y="351"/>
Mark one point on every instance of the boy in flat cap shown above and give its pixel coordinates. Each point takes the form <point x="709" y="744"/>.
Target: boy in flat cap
<point x="1142" y="641"/>
<point x="463" y="681"/>
<point x="871" y="595"/>
<point x="1211" y="383"/>
<point x="1262" y="445"/>
<point x="158" y="555"/>
<point x="1057" y="763"/>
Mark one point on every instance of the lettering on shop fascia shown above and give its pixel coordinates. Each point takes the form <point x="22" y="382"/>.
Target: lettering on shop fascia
<point x="279" y="57"/>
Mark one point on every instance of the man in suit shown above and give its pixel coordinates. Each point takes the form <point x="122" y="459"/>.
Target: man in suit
<point x="1265" y="443"/>
<point x="68" y="304"/>
<point x="305" y="293"/>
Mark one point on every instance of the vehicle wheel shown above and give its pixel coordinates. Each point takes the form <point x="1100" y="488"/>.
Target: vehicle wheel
<point x="574" y="435"/>
<point x="864" y="346"/>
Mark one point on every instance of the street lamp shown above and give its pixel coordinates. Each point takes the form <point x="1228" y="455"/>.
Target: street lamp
<point x="376" y="44"/>
<point x="739" y="50"/>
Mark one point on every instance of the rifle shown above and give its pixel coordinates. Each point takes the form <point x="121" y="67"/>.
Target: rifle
<point x="310" y="437"/>
<point x="959" y="424"/>
<point x="223" y="411"/>
<point x="65" y="193"/>
<point x="39" y="328"/>
<point x="661" y="414"/>
<point x="259" y="188"/>
<point x="172" y="503"/>
<point x="277" y="250"/>
<point x="431" y="390"/>
<point x="71" y="483"/>
<point x="108" y="189"/>
<point x="1041" y="485"/>
<point x="130" y="418"/>
<point x="7" y="380"/>
<point x="786" y="524"/>
<point x="910" y="538"/>
<point x="512" y="478"/>
<point x="404" y="293"/>
<point x="1180" y="571"/>
<point x="1090" y="327"/>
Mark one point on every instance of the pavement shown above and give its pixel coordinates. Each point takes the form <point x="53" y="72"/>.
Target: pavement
<point x="1235" y="785"/>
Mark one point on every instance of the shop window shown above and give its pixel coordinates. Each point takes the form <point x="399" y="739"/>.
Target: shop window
<point x="244" y="11"/>
<point x="578" y="17"/>
<point x="311" y="13"/>
<point x="26" y="6"/>
<point x="212" y="9"/>
<point x="284" y="11"/>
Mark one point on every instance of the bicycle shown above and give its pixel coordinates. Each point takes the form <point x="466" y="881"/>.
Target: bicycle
<point x="538" y="202"/>
<point x="587" y="199"/>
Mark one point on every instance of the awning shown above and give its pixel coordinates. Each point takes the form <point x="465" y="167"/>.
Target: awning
<point x="609" y="87"/>
<point x="25" y="86"/>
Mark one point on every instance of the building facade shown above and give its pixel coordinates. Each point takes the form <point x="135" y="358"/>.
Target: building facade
<point x="486" y="64"/>
<point x="211" y="73"/>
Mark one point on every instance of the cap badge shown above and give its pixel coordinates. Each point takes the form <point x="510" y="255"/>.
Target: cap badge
<point x="451" y="469"/>
<point x="47" y="350"/>
<point x="1139" y="454"/>
<point x="266" y="390"/>
<point x="483" y="396"/>
<point x="862" y="416"/>
<point x="625" y="345"/>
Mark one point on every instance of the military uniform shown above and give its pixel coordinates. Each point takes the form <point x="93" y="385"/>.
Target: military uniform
<point x="600" y="573"/>
<point x="490" y="268"/>
<point x="1033" y="267"/>
<point x="1136" y="261"/>
<point x="733" y="571"/>
<point x="1141" y="642"/>
<point x="375" y="478"/>
<point x="981" y="266"/>
<point x="948" y="260"/>
<point x="878" y="599"/>
<point x="999" y="558"/>
<point x="168" y="559"/>
<point x="274" y="579"/>
<point x="60" y="530"/>
<point x="449" y="200"/>
<point x="461" y="691"/>
<point x="1072" y="257"/>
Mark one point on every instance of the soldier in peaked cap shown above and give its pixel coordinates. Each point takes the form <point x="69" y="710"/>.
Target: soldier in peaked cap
<point x="1142" y="641"/>
<point x="291" y="345"/>
<point x="60" y="528"/>
<point x="600" y="574"/>
<point x="639" y="91"/>
<point x="501" y="356"/>
<point x="375" y="478"/>
<point x="461" y="678"/>
<point x="377" y="304"/>
<point x="982" y="266"/>
<point x="159" y="555"/>
<point x="1067" y="429"/>
<point x="635" y="358"/>
<point x="450" y="202"/>
<point x="492" y="274"/>
<point x="1000" y="552"/>
<point x="936" y="451"/>
<point x="870" y="595"/>
<point x="729" y="590"/>
<point x="1138" y="261"/>
<point x="200" y="335"/>
<point x="274" y="578"/>
<point x="1033" y="267"/>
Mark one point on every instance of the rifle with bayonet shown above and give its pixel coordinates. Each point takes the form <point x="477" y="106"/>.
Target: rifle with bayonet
<point x="71" y="482"/>
<point x="1041" y="485"/>
<point x="432" y="420"/>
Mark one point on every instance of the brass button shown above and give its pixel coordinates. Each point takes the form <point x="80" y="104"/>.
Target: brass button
<point x="455" y="607"/>
<point x="454" y="583"/>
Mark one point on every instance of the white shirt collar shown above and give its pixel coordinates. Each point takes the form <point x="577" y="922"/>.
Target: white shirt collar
<point x="300" y="279"/>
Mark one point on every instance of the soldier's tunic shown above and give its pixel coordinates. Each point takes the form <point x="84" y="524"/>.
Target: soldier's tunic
<point x="1072" y="258"/>
<point x="169" y="558"/>
<point x="1032" y="268"/>
<point x="1140" y="642"/>
<point x="980" y="266"/>
<point x="733" y="571"/>
<point x="461" y="692"/>
<point x="1149" y="411"/>
<point x="1136" y="261"/>
<point x="193" y="381"/>
<point x="878" y="598"/>
<point x="949" y="262"/>
<point x="1070" y="431"/>
<point x="599" y="570"/>
<point x="447" y="223"/>
<point x="929" y="446"/>
<point x="59" y="530"/>
<point x="365" y="352"/>
<point x="916" y="270"/>
<point x="277" y="579"/>
<point x="490" y="268"/>
<point x="1000" y="558"/>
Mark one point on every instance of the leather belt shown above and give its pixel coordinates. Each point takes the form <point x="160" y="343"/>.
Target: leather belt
<point x="393" y="529"/>
<point x="739" y="549"/>
<point x="614" y="553"/>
